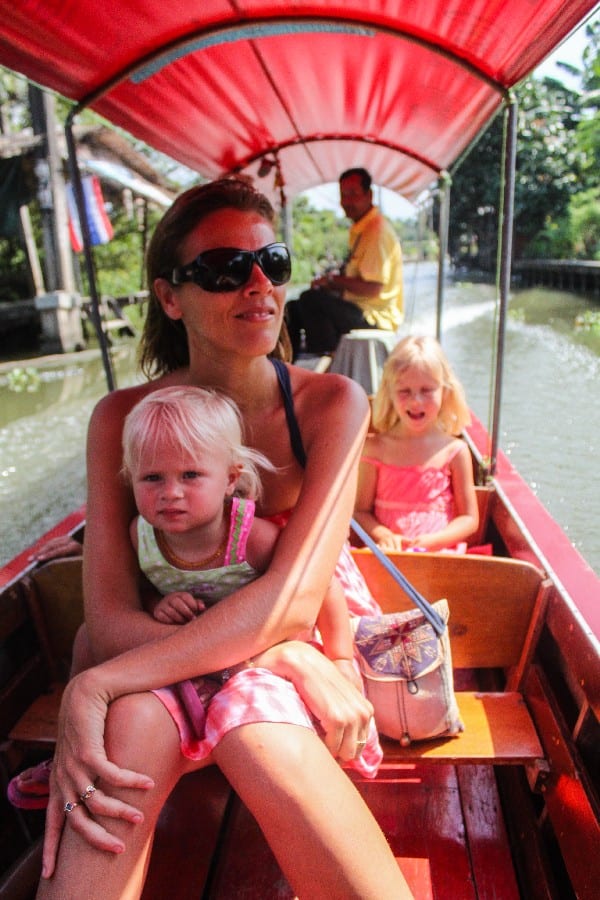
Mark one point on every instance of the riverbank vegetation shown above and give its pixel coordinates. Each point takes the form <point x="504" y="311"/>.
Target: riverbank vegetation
<point x="557" y="191"/>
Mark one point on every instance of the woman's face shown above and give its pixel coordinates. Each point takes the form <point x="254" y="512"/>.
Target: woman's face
<point x="244" y="321"/>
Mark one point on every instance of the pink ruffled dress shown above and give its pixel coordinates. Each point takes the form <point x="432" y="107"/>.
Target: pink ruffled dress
<point x="414" y="500"/>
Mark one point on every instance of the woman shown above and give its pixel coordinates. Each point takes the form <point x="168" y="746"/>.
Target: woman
<point x="215" y="315"/>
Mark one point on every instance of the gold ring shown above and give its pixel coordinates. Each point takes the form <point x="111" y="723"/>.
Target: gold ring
<point x="70" y="806"/>
<point x="90" y="789"/>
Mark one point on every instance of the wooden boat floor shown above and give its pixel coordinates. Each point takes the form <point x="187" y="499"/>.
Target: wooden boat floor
<point x="444" y="824"/>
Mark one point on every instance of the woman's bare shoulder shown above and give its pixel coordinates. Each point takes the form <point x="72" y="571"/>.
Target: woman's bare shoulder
<point x="331" y="411"/>
<point x="116" y="404"/>
<point x="322" y="389"/>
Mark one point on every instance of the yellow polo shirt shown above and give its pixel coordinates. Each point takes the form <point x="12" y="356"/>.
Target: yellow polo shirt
<point x="376" y="255"/>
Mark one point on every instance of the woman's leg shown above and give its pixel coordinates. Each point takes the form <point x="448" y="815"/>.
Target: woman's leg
<point x="325" y="839"/>
<point x="141" y="735"/>
<point x="322" y="833"/>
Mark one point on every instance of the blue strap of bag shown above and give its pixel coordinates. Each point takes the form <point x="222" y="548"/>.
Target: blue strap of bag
<point x="431" y="614"/>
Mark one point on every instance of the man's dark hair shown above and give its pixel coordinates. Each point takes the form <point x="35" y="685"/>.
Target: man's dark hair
<point x="365" y="178"/>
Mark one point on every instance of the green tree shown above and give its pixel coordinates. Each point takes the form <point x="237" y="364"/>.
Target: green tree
<point x="548" y="173"/>
<point x="320" y="240"/>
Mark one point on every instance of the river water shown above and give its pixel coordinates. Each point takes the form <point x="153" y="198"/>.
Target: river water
<point x="550" y="420"/>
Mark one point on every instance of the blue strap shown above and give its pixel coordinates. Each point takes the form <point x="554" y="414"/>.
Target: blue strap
<point x="431" y="614"/>
<point x="283" y="377"/>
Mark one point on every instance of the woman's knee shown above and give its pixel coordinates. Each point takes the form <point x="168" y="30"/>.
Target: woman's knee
<point x="141" y="735"/>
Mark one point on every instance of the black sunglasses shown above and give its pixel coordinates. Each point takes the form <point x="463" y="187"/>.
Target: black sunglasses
<point x="227" y="268"/>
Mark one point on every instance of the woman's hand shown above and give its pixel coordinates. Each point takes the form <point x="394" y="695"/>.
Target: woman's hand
<point x="341" y="709"/>
<point x="57" y="547"/>
<point x="79" y="763"/>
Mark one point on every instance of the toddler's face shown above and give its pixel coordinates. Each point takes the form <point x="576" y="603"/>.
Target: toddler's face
<point x="176" y="492"/>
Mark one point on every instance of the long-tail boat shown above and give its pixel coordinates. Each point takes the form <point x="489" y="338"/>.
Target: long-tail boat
<point x="301" y="91"/>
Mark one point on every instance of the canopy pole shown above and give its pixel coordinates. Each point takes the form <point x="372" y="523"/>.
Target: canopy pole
<point x="87" y="250"/>
<point x="506" y="238"/>
<point x="443" y="228"/>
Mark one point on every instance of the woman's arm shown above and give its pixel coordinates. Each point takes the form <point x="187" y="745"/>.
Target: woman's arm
<point x="80" y="758"/>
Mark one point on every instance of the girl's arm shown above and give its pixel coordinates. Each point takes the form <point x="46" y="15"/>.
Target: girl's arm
<point x="333" y="623"/>
<point x="365" y="504"/>
<point x="466" y="520"/>
<point x="261" y="543"/>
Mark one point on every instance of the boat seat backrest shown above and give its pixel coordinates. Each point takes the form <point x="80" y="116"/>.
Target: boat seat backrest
<point x="55" y="597"/>
<point x="492" y="600"/>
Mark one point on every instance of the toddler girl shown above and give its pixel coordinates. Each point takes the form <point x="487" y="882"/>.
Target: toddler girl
<point x="197" y="539"/>
<point x="416" y="488"/>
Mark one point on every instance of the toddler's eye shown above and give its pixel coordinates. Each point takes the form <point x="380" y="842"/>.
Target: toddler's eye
<point x="191" y="474"/>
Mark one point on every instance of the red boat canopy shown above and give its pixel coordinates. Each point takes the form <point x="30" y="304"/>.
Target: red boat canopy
<point x="399" y="86"/>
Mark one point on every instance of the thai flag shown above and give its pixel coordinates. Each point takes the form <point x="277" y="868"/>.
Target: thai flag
<point x="101" y="230"/>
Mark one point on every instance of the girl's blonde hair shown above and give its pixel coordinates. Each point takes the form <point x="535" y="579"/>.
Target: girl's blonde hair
<point x="426" y="353"/>
<point x="195" y="420"/>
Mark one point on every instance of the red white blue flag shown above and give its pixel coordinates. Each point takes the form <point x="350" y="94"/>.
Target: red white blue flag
<point x="101" y="230"/>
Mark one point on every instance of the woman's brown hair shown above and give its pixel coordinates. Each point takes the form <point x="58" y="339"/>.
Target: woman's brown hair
<point x="164" y="345"/>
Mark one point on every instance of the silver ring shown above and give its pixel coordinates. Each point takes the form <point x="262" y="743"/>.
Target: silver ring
<point x="70" y="806"/>
<point x="90" y="789"/>
<point x="360" y="746"/>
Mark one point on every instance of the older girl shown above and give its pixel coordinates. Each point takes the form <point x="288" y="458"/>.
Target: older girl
<point x="416" y="487"/>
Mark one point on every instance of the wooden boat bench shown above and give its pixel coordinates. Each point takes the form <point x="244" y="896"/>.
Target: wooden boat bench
<point x="52" y="596"/>
<point x="496" y="609"/>
<point x="496" y="613"/>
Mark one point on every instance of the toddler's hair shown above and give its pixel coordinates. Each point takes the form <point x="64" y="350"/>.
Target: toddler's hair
<point x="195" y="420"/>
<point x="426" y="353"/>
